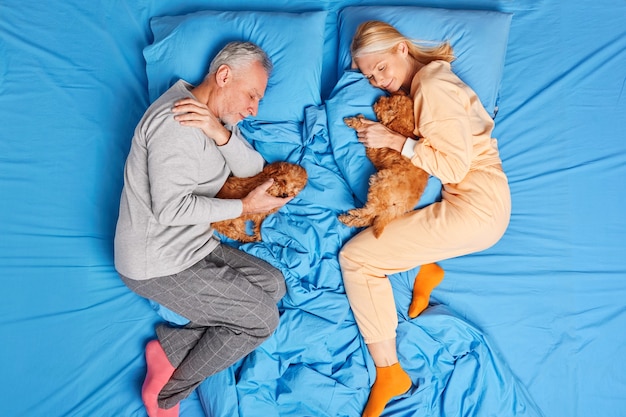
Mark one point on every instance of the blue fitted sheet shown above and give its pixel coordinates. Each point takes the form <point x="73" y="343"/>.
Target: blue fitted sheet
<point x="533" y="326"/>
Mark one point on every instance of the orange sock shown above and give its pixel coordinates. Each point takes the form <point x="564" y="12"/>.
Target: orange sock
<point x="428" y="277"/>
<point x="159" y="372"/>
<point x="390" y="382"/>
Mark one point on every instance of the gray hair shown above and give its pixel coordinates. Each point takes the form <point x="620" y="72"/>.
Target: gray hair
<point x="241" y="54"/>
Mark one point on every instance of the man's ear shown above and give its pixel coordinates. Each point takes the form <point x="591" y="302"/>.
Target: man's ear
<point x="223" y="75"/>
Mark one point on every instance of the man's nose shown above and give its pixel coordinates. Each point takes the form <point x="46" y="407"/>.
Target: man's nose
<point x="253" y="108"/>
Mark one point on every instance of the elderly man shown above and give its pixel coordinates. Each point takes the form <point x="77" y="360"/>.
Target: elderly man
<point x="183" y="150"/>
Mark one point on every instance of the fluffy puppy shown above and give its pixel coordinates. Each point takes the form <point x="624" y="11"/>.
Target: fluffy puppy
<point x="397" y="185"/>
<point x="289" y="180"/>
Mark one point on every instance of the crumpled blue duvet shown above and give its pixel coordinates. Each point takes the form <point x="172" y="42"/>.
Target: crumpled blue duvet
<point x="316" y="364"/>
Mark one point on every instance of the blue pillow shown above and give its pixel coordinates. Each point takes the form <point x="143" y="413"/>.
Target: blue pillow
<point x="479" y="39"/>
<point x="184" y="46"/>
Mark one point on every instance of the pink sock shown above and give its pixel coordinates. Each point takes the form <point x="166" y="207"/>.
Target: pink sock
<point x="159" y="372"/>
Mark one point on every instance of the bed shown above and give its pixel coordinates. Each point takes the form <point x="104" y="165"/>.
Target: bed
<point x="534" y="326"/>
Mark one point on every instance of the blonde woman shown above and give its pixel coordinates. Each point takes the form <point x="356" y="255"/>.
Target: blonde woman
<point x="454" y="145"/>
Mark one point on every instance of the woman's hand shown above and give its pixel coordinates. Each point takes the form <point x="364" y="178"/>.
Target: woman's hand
<point x="259" y="201"/>
<point x="375" y="135"/>
<point x="191" y="112"/>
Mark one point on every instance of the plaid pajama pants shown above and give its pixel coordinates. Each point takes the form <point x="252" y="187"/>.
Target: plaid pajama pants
<point x="230" y="300"/>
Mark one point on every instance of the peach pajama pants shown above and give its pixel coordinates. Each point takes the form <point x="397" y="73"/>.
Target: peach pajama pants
<point x="472" y="216"/>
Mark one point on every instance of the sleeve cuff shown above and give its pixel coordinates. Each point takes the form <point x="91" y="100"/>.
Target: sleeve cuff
<point x="408" y="149"/>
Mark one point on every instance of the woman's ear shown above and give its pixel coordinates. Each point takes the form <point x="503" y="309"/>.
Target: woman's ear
<point x="402" y="48"/>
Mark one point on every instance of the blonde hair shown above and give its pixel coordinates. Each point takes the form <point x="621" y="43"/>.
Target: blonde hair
<point x="379" y="37"/>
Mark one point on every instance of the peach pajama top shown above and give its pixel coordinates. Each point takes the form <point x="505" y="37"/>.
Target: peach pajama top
<point x="454" y="145"/>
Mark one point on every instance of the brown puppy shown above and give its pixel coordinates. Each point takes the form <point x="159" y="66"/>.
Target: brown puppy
<point x="398" y="185"/>
<point x="289" y="180"/>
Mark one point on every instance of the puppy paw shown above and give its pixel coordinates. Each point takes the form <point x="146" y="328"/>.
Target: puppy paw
<point x="378" y="225"/>
<point x="354" y="122"/>
<point x="355" y="218"/>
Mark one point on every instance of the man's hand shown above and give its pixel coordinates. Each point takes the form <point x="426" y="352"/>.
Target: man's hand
<point x="190" y="112"/>
<point x="259" y="201"/>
